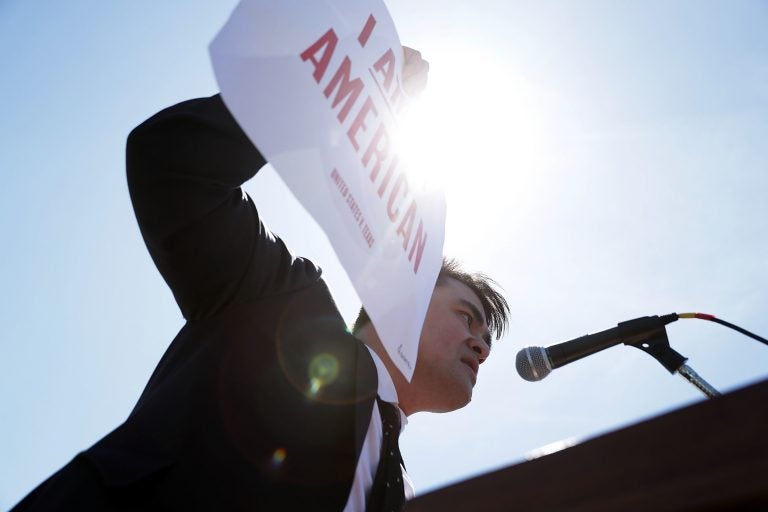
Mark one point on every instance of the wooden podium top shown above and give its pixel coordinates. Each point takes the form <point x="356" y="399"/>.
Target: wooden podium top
<point x="712" y="455"/>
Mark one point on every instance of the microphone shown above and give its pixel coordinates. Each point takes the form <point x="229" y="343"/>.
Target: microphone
<point x="535" y="363"/>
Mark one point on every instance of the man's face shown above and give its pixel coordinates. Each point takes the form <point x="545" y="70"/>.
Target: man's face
<point x="454" y="341"/>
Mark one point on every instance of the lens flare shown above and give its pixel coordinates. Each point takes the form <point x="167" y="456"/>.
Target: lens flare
<point x="323" y="370"/>
<point x="278" y="456"/>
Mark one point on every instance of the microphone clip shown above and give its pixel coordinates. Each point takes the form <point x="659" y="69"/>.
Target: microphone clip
<point x="656" y="344"/>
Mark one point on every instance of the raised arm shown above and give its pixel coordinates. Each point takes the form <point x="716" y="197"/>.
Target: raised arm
<point x="185" y="167"/>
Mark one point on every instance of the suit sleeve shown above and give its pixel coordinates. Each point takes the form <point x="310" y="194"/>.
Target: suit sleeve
<point x="185" y="167"/>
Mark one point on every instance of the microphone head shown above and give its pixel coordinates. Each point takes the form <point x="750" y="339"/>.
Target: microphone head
<point x="533" y="363"/>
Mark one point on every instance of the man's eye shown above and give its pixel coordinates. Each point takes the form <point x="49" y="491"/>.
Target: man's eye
<point x="468" y="318"/>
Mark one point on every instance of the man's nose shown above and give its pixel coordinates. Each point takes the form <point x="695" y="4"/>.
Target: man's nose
<point x="480" y="347"/>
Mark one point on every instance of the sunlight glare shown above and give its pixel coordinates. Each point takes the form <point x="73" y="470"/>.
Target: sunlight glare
<point x="476" y="132"/>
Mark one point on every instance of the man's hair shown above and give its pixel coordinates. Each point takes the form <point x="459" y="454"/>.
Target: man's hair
<point x="494" y="305"/>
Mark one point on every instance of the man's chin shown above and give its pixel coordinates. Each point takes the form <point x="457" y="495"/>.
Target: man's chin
<point x="455" y="404"/>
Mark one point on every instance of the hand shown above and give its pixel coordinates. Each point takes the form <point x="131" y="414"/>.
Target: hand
<point x="415" y="72"/>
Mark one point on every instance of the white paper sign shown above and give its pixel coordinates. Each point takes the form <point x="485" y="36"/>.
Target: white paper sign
<point x="317" y="87"/>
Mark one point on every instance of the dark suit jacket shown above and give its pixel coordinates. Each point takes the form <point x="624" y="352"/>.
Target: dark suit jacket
<point x="262" y="400"/>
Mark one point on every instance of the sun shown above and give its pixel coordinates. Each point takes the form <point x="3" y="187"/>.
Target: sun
<point x="478" y="134"/>
<point x="475" y="120"/>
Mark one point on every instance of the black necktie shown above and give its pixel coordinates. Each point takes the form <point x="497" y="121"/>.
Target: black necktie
<point x="387" y="493"/>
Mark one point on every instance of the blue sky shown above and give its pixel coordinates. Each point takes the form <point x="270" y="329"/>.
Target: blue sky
<point x="602" y="160"/>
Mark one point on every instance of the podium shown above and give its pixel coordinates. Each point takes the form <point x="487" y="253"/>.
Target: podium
<point x="712" y="455"/>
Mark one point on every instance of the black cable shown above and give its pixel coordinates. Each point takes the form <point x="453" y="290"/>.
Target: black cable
<point x="739" y="329"/>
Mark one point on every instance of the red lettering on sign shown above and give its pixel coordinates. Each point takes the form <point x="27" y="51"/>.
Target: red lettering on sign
<point x="387" y="177"/>
<point x="401" y="182"/>
<point x="367" y="30"/>
<point x="379" y="146"/>
<point x="386" y="66"/>
<point x="349" y="89"/>
<point x="326" y="43"/>
<point x="418" y="246"/>
<point x="404" y="230"/>
<point x="406" y="225"/>
<point x="359" y="122"/>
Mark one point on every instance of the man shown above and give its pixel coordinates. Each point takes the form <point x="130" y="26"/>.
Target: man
<point x="455" y="340"/>
<point x="264" y="400"/>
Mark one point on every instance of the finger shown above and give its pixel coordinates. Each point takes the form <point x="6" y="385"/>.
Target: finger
<point x="413" y="69"/>
<point x="411" y="54"/>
